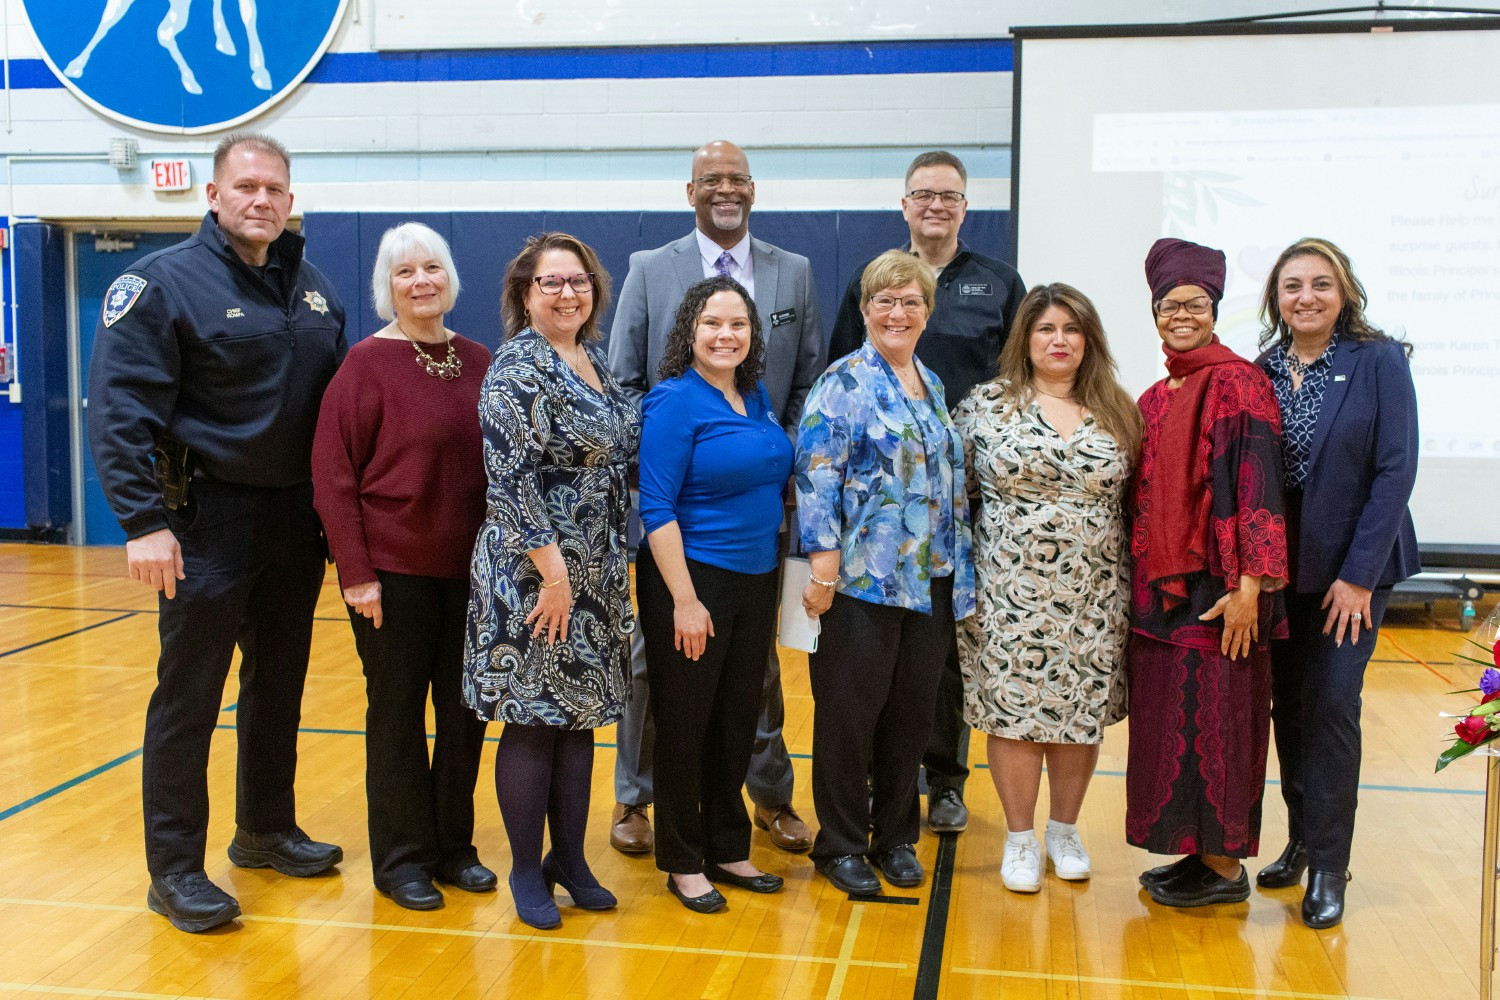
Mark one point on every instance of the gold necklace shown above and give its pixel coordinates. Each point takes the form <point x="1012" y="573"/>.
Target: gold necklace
<point x="446" y="369"/>
<point x="912" y="389"/>
<point x="1044" y="392"/>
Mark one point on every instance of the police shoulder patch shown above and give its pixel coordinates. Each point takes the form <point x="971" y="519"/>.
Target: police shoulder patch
<point x="121" y="296"/>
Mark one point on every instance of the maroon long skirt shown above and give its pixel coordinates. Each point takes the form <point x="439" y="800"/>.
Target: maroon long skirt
<point x="1200" y="727"/>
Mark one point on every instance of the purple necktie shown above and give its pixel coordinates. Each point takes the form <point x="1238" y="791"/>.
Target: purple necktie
<point x="725" y="261"/>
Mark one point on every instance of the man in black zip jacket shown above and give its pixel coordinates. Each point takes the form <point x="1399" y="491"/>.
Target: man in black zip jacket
<point x="210" y="361"/>
<point x="975" y="303"/>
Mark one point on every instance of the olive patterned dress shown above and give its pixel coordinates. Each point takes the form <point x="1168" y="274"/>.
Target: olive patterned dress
<point x="557" y="453"/>
<point x="1043" y="655"/>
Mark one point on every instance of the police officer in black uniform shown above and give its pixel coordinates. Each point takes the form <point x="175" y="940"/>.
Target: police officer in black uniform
<point x="976" y="301"/>
<point x="209" y="364"/>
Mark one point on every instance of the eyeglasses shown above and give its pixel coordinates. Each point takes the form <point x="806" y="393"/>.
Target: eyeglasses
<point x="885" y="303"/>
<point x="737" y="181"/>
<point x="1195" y="307"/>
<point x="552" y="284"/>
<point x="923" y="197"/>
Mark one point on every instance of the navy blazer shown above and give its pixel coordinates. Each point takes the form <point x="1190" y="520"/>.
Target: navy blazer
<point x="1355" y="523"/>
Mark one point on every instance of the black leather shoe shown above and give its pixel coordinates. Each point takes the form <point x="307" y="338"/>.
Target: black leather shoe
<point x="418" y="894"/>
<point x="762" y="883"/>
<point x="1201" y="888"/>
<point x="850" y="874"/>
<point x="946" y="812"/>
<point x="190" y="901"/>
<point x="710" y="902"/>
<point x="475" y="878"/>
<point x="291" y="852"/>
<point x="1323" y="903"/>
<point x="1286" y="871"/>
<point x="1162" y="873"/>
<point x="900" y="866"/>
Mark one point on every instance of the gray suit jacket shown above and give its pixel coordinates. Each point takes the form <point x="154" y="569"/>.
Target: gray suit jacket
<point x="784" y="297"/>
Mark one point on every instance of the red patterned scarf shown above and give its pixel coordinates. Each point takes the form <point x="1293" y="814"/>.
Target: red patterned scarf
<point x="1180" y="497"/>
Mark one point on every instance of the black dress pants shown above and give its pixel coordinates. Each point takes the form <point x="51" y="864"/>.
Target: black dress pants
<point x="945" y="763"/>
<point x="705" y="711"/>
<point x="253" y="562"/>
<point x="1315" y="707"/>
<point x="874" y="680"/>
<point x="421" y="813"/>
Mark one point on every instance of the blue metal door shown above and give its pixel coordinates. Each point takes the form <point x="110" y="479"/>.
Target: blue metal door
<point x="98" y="261"/>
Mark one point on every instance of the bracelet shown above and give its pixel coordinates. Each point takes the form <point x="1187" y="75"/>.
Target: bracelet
<point x="560" y="580"/>
<point x="823" y="583"/>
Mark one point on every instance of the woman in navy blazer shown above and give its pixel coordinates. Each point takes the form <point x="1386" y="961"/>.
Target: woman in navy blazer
<point x="1349" y="417"/>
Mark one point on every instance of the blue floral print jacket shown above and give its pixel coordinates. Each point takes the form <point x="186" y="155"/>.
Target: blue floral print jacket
<point x="880" y="477"/>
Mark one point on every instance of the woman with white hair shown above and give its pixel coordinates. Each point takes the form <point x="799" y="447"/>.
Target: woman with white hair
<point x="398" y="478"/>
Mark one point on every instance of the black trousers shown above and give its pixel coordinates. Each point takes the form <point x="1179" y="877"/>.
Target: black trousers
<point x="945" y="764"/>
<point x="874" y="680"/>
<point x="253" y="563"/>
<point x="421" y="813"/>
<point x="1315" y="706"/>
<point x="705" y="711"/>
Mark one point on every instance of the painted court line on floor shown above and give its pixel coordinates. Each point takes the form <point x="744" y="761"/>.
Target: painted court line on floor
<point x="542" y="938"/>
<point x="76" y="631"/>
<point x="1153" y="984"/>
<point x="70" y="783"/>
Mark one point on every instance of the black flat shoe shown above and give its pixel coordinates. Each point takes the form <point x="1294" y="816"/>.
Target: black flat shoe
<point x="418" y="894"/>
<point x="1203" y="887"/>
<point x="762" y="883"/>
<point x="900" y="866"/>
<point x="1323" y="903"/>
<point x="475" y="878"/>
<point x="1286" y="871"/>
<point x="850" y="874"/>
<point x="1164" y="873"/>
<point x="710" y="902"/>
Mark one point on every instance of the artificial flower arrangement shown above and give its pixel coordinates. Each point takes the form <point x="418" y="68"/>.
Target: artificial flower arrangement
<point x="1481" y="724"/>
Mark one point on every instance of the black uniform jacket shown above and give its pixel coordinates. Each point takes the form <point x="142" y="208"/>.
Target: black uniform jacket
<point x="196" y="345"/>
<point x="977" y="297"/>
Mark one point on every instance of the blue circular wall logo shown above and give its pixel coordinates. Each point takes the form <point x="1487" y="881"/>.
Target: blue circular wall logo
<point x="183" y="66"/>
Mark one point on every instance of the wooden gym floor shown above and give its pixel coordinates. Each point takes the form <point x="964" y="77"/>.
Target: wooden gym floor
<point x="77" y="653"/>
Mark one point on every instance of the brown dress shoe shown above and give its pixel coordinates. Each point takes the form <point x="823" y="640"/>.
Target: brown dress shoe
<point x="630" y="830"/>
<point x="787" y="830"/>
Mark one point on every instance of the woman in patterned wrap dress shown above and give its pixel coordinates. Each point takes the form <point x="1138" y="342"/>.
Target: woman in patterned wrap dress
<point x="1048" y="448"/>
<point x="550" y="616"/>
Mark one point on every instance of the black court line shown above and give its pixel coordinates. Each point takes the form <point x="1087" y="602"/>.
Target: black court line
<point x="86" y="628"/>
<point x="935" y="934"/>
<point x="880" y="897"/>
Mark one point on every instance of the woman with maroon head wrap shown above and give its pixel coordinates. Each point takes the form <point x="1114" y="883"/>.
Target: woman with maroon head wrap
<point x="1209" y="541"/>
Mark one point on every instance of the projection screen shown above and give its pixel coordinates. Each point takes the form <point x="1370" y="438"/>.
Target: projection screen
<point x="1385" y="141"/>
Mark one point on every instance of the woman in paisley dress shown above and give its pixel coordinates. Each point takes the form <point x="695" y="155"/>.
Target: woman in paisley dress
<point x="1048" y="448"/>
<point x="1209" y="540"/>
<point x="549" y="613"/>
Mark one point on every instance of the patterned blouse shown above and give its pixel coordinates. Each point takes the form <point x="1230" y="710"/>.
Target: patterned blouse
<point x="1300" y="408"/>
<point x="880" y="477"/>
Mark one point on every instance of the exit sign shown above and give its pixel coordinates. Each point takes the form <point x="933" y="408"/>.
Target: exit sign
<point x="171" y="175"/>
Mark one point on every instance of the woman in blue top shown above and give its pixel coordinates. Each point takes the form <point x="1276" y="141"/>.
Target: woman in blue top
<point x="883" y="516"/>
<point x="714" y="468"/>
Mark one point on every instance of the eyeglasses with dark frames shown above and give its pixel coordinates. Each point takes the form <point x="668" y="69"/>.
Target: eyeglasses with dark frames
<point x="923" y="197"/>
<point x="552" y="284"/>
<point x="1196" y="306"/>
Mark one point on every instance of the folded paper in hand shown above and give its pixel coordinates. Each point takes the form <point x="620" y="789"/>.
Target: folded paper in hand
<point x="798" y="630"/>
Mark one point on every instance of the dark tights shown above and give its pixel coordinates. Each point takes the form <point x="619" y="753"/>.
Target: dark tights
<point x="543" y="776"/>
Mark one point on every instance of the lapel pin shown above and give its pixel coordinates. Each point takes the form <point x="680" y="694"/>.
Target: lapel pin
<point x="1339" y="378"/>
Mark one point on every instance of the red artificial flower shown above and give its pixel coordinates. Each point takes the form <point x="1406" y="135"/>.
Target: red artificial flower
<point x="1495" y="651"/>
<point x="1489" y="697"/>
<point x="1473" y="729"/>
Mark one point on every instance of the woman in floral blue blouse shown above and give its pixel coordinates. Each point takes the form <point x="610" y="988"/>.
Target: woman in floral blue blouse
<point x="880" y="503"/>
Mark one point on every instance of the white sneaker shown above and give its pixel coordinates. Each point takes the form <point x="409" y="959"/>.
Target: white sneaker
<point x="1069" y="859"/>
<point x="1021" y="869"/>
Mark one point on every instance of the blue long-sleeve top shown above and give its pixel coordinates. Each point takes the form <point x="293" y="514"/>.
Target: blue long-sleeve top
<point x="719" y="475"/>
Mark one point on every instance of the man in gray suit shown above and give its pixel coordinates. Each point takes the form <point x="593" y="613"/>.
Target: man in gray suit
<point x="721" y="192"/>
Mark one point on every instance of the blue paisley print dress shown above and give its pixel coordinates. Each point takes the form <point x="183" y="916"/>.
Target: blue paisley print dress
<point x="557" y="453"/>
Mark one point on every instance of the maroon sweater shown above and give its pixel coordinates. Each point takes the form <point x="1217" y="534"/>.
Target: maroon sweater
<point x="398" y="462"/>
